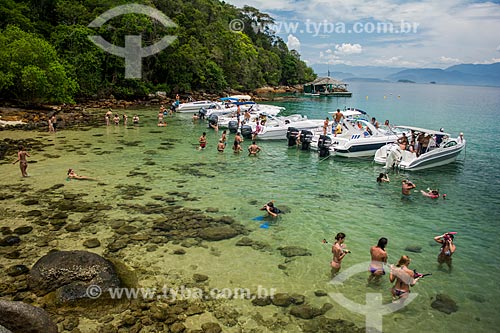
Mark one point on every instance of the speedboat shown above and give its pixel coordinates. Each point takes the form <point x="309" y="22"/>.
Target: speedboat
<point x="195" y="106"/>
<point x="275" y="128"/>
<point x="356" y="137"/>
<point x="392" y="155"/>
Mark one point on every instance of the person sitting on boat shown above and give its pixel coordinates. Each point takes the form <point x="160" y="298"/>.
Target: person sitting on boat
<point x="434" y="194"/>
<point x="403" y="142"/>
<point x="338" y="129"/>
<point x="438" y="138"/>
<point x="269" y="207"/>
<point x="367" y="132"/>
<point x="424" y="144"/>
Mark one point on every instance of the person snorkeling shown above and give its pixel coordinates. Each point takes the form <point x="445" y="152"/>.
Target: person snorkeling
<point x="434" y="194"/>
<point x="271" y="209"/>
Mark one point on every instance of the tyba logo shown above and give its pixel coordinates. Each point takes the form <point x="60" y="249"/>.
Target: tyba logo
<point x="373" y="309"/>
<point x="133" y="52"/>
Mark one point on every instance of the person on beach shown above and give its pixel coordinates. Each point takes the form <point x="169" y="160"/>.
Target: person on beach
<point x="383" y="178"/>
<point x="378" y="259"/>
<point x="203" y="141"/>
<point x="135" y="120"/>
<point x="404" y="278"/>
<point x="21" y="158"/>
<point x="72" y="175"/>
<point x="339" y="252"/>
<point x="221" y="146"/>
<point x="447" y="249"/>
<point x="271" y="210"/>
<point x="53" y="120"/>
<point x="253" y="149"/>
<point x="406" y="187"/>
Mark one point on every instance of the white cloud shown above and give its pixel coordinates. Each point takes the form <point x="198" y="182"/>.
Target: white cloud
<point x="487" y="62"/>
<point x="395" y="61"/>
<point x="447" y="60"/>
<point x="293" y="43"/>
<point x="346" y="49"/>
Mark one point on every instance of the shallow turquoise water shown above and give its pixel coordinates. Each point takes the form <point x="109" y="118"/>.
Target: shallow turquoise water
<point x="324" y="197"/>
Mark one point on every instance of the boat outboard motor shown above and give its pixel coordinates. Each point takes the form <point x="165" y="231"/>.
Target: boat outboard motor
<point x="213" y="119"/>
<point x="324" y="144"/>
<point x="246" y="131"/>
<point x="291" y="135"/>
<point x="202" y="112"/>
<point x="232" y="126"/>
<point x="306" y="139"/>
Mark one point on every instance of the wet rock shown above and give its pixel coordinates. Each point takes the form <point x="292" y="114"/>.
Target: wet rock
<point x="23" y="230"/>
<point x="294" y="251"/>
<point x="71" y="273"/>
<point x="212" y="210"/>
<point x="194" y="309"/>
<point x="282" y="299"/>
<point x="306" y="311"/>
<point x="127" y="229"/>
<point x="281" y="266"/>
<point x="297" y="299"/>
<point x="5" y="231"/>
<point x="92" y="243"/>
<point x="59" y="216"/>
<point x="34" y="213"/>
<point x="13" y="255"/>
<point x="17" y="270"/>
<point x="244" y="241"/>
<point x="444" y="304"/>
<point x="200" y="277"/>
<point x="73" y="227"/>
<point x="177" y="327"/>
<point x="180" y="251"/>
<point x="30" y="202"/>
<point x="56" y="186"/>
<point x="261" y="301"/>
<point x="71" y="323"/>
<point x="22" y="317"/>
<point x="211" y="328"/>
<point x="322" y="324"/>
<point x="320" y="293"/>
<point x="218" y="233"/>
<point x="10" y="240"/>
<point x="413" y="248"/>
<point x="117" y="245"/>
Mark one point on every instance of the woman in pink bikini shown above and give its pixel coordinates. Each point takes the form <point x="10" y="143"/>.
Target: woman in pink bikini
<point x="339" y="253"/>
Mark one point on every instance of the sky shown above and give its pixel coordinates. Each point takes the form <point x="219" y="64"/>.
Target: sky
<point x="392" y="33"/>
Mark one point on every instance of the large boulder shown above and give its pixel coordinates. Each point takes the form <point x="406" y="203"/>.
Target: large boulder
<point x="19" y="317"/>
<point x="71" y="273"/>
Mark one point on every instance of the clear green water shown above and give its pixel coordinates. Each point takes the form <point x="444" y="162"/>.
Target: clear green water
<point x="324" y="197"/>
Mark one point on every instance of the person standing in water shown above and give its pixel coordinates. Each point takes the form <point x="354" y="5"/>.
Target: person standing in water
<point x="253" y="149"/>
<point x="404" y="278"/>
<point x="203" y="141"/>
<point x="21" y="158"/>
<point x="379" y="258"/>
<point x="447" y="248"/>
<point x="339" y="252"/>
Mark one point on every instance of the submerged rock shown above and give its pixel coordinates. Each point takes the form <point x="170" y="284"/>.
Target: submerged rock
<point x="92" y="243"/>
<point x="23" y="230"/>
<point x="445" y="304"/>
<point x="413" y="248"/>
<point x="17" y="270"/>
<point x="218" y="233"/>
<point x="22" y="317"/>
<point x="10" y="241"/>
<point x="71" y="273"/>
<point x="293" y="251"/>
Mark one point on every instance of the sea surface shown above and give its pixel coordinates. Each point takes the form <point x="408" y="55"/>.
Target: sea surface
<point x="323" y="197"/>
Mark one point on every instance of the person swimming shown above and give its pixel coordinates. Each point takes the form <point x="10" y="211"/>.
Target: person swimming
<point x="434" y="194"/>
<point x="72" y="175"/>
<point x="273" y="211"/>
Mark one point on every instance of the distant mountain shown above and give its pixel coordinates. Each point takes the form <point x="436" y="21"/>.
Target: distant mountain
<point x="466" y="74"/>
<point x="345" y="71"/>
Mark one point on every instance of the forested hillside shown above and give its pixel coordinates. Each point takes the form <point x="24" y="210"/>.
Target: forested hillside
<point x="46" y="56"/>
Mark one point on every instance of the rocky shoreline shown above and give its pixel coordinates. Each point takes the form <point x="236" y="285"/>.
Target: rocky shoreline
<point x="89" y="112"/>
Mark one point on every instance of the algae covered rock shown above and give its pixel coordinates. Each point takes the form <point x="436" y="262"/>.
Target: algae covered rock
<point x="445" y="304"/>
<point x="22" y="317"/>
<point x="71" y="273"/>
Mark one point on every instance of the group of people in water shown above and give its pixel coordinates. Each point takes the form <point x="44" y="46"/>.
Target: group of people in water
<point x="407" y="186"/>
<point x="253" y="149"/>
<point x="116" y="118"/>
<point x="400" y="274"/>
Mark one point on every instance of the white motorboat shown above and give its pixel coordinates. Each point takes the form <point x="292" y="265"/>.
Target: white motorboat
<point x="195" y="106"/>
<point x="357" y="137"/>
<point x="275" y="128"/>
<point x="392" y="155"/>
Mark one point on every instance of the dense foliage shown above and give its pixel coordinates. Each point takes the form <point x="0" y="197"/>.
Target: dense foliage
<point x="45" y="53"/>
